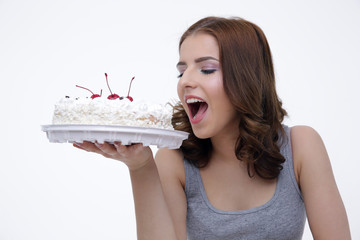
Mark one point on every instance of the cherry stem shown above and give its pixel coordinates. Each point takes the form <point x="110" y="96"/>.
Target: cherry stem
<point x="108" y="83"/>
<point x="85" y="89"/>
<point x="130" y="86"/>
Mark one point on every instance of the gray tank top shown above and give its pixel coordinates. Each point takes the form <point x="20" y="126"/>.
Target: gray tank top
<point x="282" y="217"/>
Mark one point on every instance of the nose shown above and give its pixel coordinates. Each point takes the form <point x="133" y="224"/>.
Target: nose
<point x="187" y="80"/>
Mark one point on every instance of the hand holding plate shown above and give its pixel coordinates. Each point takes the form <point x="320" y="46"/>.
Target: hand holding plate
<point x="134" y="156"/>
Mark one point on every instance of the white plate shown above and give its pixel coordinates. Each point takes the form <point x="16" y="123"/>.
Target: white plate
<point x="107" y="133"/>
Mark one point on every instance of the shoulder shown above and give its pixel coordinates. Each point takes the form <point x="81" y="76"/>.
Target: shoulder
<point x="324" y="207"/>
<point x="308" y="149"/>
<point x="303" y="138"/>
<point x="170" y="164"/>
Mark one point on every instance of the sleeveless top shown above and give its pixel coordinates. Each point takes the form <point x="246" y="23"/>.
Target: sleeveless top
<point x="282" y="217"/>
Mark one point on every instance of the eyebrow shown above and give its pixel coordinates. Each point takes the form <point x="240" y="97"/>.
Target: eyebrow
<point x="201" y="59"/>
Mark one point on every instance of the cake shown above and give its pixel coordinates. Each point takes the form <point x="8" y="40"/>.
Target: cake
<point x="113" y="110"/>
<point x="102" y="111"/>
<point x="113" y="119"/>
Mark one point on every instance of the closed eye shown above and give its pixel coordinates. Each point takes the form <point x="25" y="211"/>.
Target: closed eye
<point x="208" y="71"/>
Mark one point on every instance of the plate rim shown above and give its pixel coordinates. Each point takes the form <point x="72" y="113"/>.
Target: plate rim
<point x="66" y="132"/>
<point x="110" y="128"/>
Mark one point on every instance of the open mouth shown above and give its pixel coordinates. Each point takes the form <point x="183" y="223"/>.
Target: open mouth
<point x="197" y="109"/>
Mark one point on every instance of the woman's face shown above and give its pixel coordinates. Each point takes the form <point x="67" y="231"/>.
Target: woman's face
<point x="200" y="87"/>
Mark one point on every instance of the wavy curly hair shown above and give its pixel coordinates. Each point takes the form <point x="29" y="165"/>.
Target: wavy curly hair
<point x="249" y="81"/>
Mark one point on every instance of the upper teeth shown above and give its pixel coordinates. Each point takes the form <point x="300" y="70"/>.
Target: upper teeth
<point x="193" y="100"/>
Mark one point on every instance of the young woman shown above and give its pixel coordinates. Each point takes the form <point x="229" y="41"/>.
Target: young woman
<point x="241" y="174"/>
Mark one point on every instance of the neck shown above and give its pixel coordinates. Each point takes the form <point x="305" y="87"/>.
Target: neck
<point x="223" y="147"/>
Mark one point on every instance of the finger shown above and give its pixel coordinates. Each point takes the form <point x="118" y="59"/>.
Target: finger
<point x="121" y="149"/>
<point x="106" y="148"/>
<point x="78" y="145"/>
<point x="87" y="146"/>
<point x="136" y="148"/>
<point x="125" y="150"/>
<point x="91" y="147"/>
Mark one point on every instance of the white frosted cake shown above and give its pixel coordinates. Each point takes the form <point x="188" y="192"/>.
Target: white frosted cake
<point x="102" y="111"/>
<point x="113" y="119"/>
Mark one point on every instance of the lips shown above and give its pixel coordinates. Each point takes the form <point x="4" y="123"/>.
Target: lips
<point x="197" y="108"/>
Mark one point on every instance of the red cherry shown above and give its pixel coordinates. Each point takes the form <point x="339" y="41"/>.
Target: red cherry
<point x="93" y="94"/>
<point x="112" y="96"/>
<point x="128" y="97"/>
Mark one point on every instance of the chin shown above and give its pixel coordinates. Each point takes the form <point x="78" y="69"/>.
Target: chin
<point x="201" y="133"/>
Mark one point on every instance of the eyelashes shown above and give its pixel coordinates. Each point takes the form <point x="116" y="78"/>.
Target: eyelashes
<point x="208" y="71"/>
<point x="203" y="71"/>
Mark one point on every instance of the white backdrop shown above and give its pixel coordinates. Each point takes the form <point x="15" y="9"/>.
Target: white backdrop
<point x="54" y="191"/>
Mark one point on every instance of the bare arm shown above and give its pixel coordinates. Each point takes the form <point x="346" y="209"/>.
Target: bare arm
<point x="172" y="174"/>
<point x="324" y="207"/>
<point x="152" y="215"/>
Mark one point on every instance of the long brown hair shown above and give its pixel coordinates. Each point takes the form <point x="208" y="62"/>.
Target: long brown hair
<point x="249" y="81"/>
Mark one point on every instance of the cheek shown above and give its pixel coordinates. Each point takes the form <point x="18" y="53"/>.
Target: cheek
<point x="222" y="99"/>
<point x="217" y="88"/>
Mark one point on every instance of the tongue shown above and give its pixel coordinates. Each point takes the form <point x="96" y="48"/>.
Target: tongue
<point x="202" y="109"/>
